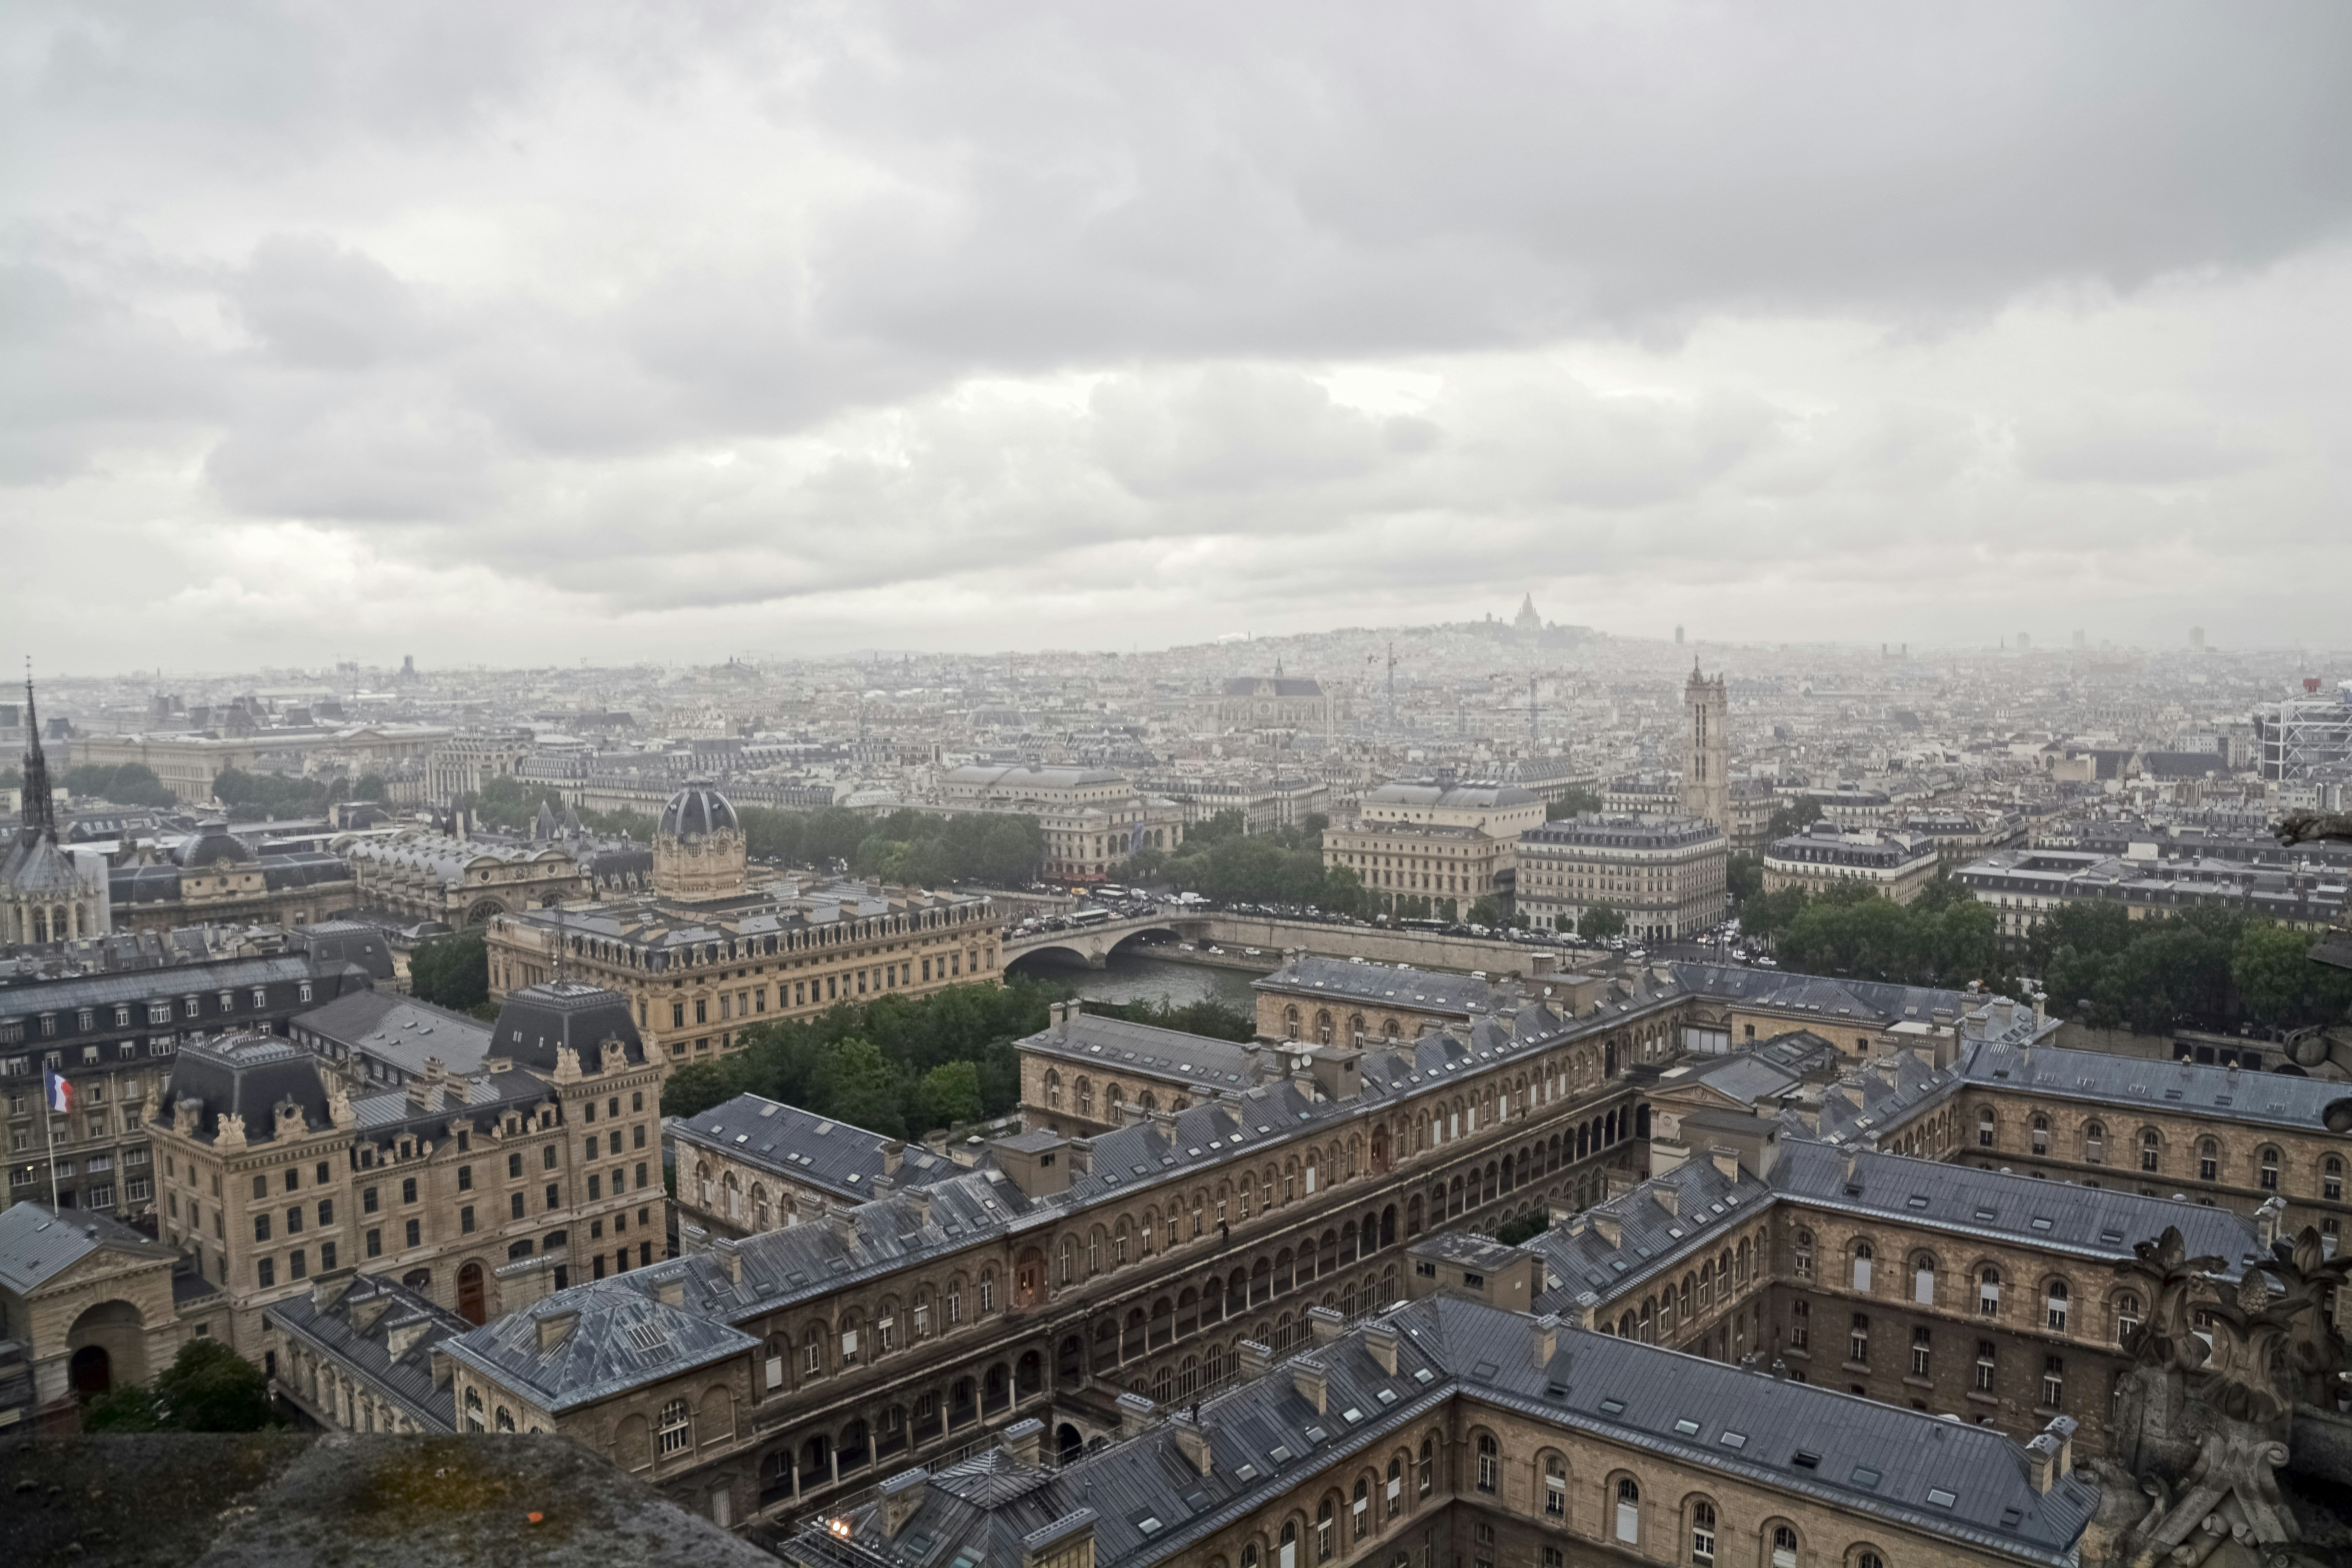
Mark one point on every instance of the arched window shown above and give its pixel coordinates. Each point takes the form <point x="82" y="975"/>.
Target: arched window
<point x="1396" y="1484"/>
<point x="677" y="1429"/>
<point x="987" y="1292"/>
<point x="1804" y="1263"/>
<point x="2127" y="1316"/>
<point x="1702" y="1531"/>
<point x="1629" y="1511"/>
<point x="1555" y="1471"/>
<point x="2095" y="1143"/>
<point x="1923" y="1279"/>
<point x="1323" y="1531"/>
<point x="474" y="1410"/>
<point x="2057" y="1304"/>
<point x="1361" y="1507"/>
<point x="2209" y="1160"/>
<point x="1784" y="1547"/>
<point x="1490" y="1465"/>
<point x="1428" y="1477"/>
<point x="1861" y="1266"/>
<point x="2331" y="1178"/>
<point x="1053" y="1090"/>
<point x="1989" y="1292"/>
<point x="2040" y="1134"/>
<point x="1866" y="1558"/>
<point x="1986" y="1129"/>
<point x="1288" y="1557"/>
<point x="2150" y="1148"/>
<point x="2270" y="1169"/>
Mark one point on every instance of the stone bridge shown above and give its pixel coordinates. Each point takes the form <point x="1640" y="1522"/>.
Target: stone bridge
<point x="1095" y="944"/>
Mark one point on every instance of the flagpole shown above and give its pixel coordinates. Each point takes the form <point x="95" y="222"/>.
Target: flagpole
<point x="49" y="1136"/>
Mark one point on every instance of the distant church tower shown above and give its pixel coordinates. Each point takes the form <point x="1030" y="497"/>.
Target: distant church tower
<point x="1706" y="750"/>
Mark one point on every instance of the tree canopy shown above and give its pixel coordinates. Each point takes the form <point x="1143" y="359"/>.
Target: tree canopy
<point x="904" y="1065"/>
<point x="453" y="970"/>
<point x="132" y="783"/>
<point x="1221" y="860"/>
<point x="1576" y="800"/>
<point x="208" y="1387"/>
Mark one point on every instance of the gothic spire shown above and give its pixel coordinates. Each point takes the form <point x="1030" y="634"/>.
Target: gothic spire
<point x="39" y="812"/>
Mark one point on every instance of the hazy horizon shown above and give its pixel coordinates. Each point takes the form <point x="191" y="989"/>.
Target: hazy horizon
<point x="512" y="336"/>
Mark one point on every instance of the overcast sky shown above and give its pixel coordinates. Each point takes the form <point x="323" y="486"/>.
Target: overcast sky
<point x="527" y="333"/>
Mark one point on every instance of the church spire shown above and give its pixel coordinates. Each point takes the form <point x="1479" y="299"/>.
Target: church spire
<point x="39" y="812"/>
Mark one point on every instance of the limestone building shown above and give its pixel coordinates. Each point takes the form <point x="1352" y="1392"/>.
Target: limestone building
<point x="1438" y="842"/>
<point x="1898" y="865"/>
<point x="708" y="951"/>
<point x="214" y="876"/>
<point x="425" y="876"/>
<point x="1663" y="874"/>
<point x="1272" y="703"/>
<point x="1450" y="1431"/>
<point x="360" y="1353"/>
<point x="190" y="762"/>
<point x="1092" y="818"/>
<point x="92" y="1303"/>
<point x="479" y="1193"/>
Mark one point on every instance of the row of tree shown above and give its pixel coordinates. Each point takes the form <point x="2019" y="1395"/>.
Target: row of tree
<point x="2209" y="967"/>
<point x="1221" y="859"/>
<point x="904" y="1065"/>
<point x="132" y="783"/>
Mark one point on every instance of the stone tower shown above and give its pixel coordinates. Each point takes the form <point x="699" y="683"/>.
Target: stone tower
<point x="700" y="851"/>
<point x="1706" y="750"/>
<point x="47" y="893"/>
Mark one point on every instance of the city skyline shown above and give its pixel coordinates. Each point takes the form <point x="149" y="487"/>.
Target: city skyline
<point x="531" y="339"/>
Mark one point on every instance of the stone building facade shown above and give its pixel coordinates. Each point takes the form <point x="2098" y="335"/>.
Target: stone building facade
<point x="1898" y="865"/>
<point x="426" y="875"/>
<point x="1664" y="874"/>
<point x="1448" y="1432"/>
<point x="217" y="877"/>
<point x="1706" y="750"/>
<point x="92" y="1303"/>
<point x="480" y="1194"/>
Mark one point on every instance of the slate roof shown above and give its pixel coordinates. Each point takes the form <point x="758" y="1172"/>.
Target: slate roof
<point x="1996" y="1205"/>
<point x="1764" y="1070"/>
<point x="355" y="1331"/>
<point x="1841" y="1001"/>
<point x="250" y="1076"/>
<point x="479" y="1101"/>
<point x="1376" y="985"/>
<point x="538" y="1021"/>
<point x="37" y="1244"/>
<point x="400" y="1031"/>
<point x="1653" y="1240"/>
<point x="140" y="985"/>
<point x="621" y="1334"/>
<point x="1092" y="1039"/>
<point x="801" y="1146"/>
<point x="1149" y="1503"/>
<point x="2215" y="1094"/>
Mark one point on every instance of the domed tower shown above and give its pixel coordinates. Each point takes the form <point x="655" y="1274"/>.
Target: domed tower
<point x="700" y="852"/>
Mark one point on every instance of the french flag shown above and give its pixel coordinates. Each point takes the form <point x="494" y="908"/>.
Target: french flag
<point x="60" y="1091"/>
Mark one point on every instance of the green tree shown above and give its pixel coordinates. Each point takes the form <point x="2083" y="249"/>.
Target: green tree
<point x="453" y="970"/>
<point x="208" y="1387"/>
<point x="1601" y="922"/>
<point x="1743" y="875"/>
<point x="1484" y="912"/>
<point x="864" y="1087"/>
<point x="132" y="783"/>
<point x="692" y="1089"/>
<point x="2277" y="982"/>
<point x="1576" y="800"/>
<point x="1794" y="817"/>
<point x="949" y="1096"/>
<point x="370" y="787"/>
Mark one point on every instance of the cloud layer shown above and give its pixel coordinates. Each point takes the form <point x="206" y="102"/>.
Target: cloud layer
<point x="515" y="333"/>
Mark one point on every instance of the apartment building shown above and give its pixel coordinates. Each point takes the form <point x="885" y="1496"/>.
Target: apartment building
<point x="1663" y="874"/>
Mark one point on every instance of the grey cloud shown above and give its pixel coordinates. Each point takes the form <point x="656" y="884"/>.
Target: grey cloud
<point x="2113" y="445"/>
<point x="320" y="306"/>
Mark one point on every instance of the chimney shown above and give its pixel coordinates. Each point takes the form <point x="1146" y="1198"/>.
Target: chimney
<point x="730" y="1258"/>
<point x="403" y="1337"/>
<point x="2041" y="1463"/>
<point x="1545" y="1340"/>
<point x="1192" y="1440"/>
<point x="554" y="1328"/>
<point x="1853" y="1171"/>
<point x="1610" y="1231"/>
<point x="1057" y="1018"/>
<point x="2267" y="1220"/>
<point x="330" y="1288"/>
<point x="671" y="1294"/>
<point x="1080" y="1155"/>
<point x="1726" y="1161"/>
<point x="2060" y="1431"/>
<point x="1326" y="1323"/>
<point x="1307" y="1376"/>
<point x="366" y="1314"/>
<point x="1254" y="1360"/>
<point x="1021" y="1441"/>
<point x="902" y="1494"/>
<point x="1669" y="1199"/>
<point x="1381" y="1340"/>
<point x="1134" y="1413"/>
<point x="843" y="1225"/>
<point x="920" y="1199"/>
<point x="894" y="1154"/>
